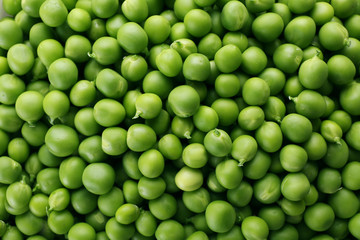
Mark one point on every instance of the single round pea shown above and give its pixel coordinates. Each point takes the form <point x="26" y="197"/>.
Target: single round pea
<point x="195" y="155"/>
<point x="127" y="213"/>
<point x="162" y="26"/>
<point x="205" y="119"/>
<point x="196" y="201"/>
<point x="288" y="57"/>
<point x="70" y="172"/>
<point x="63" y="73"/>
<point x="18" y="150"/>
<point x="151" y="163"/>
<point x="110" y="202"/>
<point x="244" y="148"/>
<point x="98" y="178"/>
<point x="267" y="189"/>
<point x="300" y="31"/>
<point x="310" y="104"/>
<point x="79" y="20"/>
<point x="81" y="230"/>
<point x="113" y="141"/>
<point x="59" y="199"/>
<point x="97" y="220"/>
<point x="169" y="62"/>
<point x="11" y="87"/>
<point x="331" y="131"/>
<point x="38" y="204"/>
<point x="222" y="56"/>
<point x="47" y="180"/>
<point x="109" y="112"/>
<point x="148" y="106"/>
<point x="333" y="36"/>
<point x="56" y="104"/>
<point x="328" y="180"/>
<point x="151" y="188"/>
<point x="269" y="136"/>
<point x="53" y="13"/>
<point x="163" y="207"/>
<point x="295" y="186"/>
<point x="28" y="106"/>
<point x="77" y="48"/>
<point x="337" y="155"/>
<point x="61" y="140"/>
<point x="146" y="223"/>
<point x="196" y="67"/>
<point x="184" y="101"/>
<point x="9" y="120"/>
<point x="197" y="22"/>
<point x="132" y="37"/>
<point x="170" y="229"/>
<point x="258" y="166"/>
<point x="234" y="15"/>
<point x="115" y="230"/>
<point x="157" y="83"/>
<point x="254" y="227"/>
<point x="140" y="137"/>
<point x="18" y="195"/>
<point x="349" y="177"/>
<point x="344" y="203"/>
<point x="170" y="146"/>
<point x="189" y="179"/>
<point x="133" y="68"/>
<point x="218" y="143"/>
<point x="227" y="85"/>
<point x="229" y="174"/>
<point x="296" y="127"/>
<point x="29" y="224"/>
<point x="10" y="33"/>
<point x="255" y="91"/>
<point x="85" y="122"/>
<point x="354" y="225"/>
<point x="273" y="216"/>
<point x="241" y="195"/>
<point x="220" y="216"/>
<point x="319" y="217"/>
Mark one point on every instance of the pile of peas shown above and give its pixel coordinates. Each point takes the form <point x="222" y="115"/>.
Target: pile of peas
<point x="180" y="119"/>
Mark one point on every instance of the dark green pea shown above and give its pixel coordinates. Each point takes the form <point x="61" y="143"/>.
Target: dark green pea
<point x="161" y="123"/>
<point x="267" y="189"/>
<point x="275" y="166"/>
<point x="47" y="158"/>
<point x="293" y="87"/>
<point x="47" y="180"/>
<point x="157" y="83"/>
<point x="18" y="150"/>
<point x="70" y="172"/>
<point x="343" y="64"/>
<point x="339" y="229"/>
<point x="319" y="217"/>
<point x="296" y="127"/>
<point x="227" y="110"/>
<point x="140" y="137"/>
<point x="10" y="170"/>
<point x="10" y="33"/>
<point x="182" y="127"/>
<point x="104" y="9"/>
<point x="288" y="231"/>
<point x="288" y="57"/>
<point x="337" y="154"/>
<point x="311" y="171"/>
<point x="97" y="29"/>
<point x="344" y="203"/>
<point x="273" y="216"/>
<point x="151" y="188"/>
<point x="349" y="177"/>
<point x="109" y="202"/>
<point x="83" y="201"/>
<point x="11" y="87"/>
<point x="163" y="207"/>
<point x="241" y="195"/>
<point x="132" y="37"/>
<point x="199" y="222"/>
<point x="40" y="86"/>
<point x="328" y="180"/>
<point x="274" y="109"/>
<point x="213" y="183"/>
<point x="97" y="220"/>
<point x="316" y="147"/>
<point x="333" y="36"/>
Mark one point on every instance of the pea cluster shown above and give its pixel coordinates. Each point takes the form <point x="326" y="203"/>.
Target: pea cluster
<point x="180" y="119"/>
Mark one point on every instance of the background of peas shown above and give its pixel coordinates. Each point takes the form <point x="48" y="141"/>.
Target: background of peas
<point x="217" y="120"/>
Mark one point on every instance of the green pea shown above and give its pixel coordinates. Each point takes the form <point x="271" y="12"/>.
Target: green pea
<point x="60" y="222"/>
<point x="234" y="15"/>
<point x="292" y="208"/>
<point x="333" y="36"/>
<point x="151" y="163"/>
<point x="29" y="224"/>
<point x="312" y="196"/>
<point x="170" y="229"/>
<point x="163" y="207"/>
<point x="11" y="7"/>
<point x="227" y="85"/>
<point x="33" y="166"/>
<point x="220" y="216"/>
<point x="82" y="93"/>
<point x="342" y="118"/>
<point x="92" y="180"/>
<point x="38" y="71"/>
<point x="194" y="155"/>
<point x="11" y="87"/>
<point x="227" y="110"/>
<point x="295" y="186"/>
<point x="59" y="199"/>
<point x="83" y="201"/>
<point x="267" y="189"/>
<point x="104" y="9"/>
<point x="79" y="20"/>
<point x="189" y="179"/>
<point x="63" y="73"/>
<point x="184" y="101"/>
<point x="29" y="106"/>
<point x="274" y="109"/>
<point x="254" y="227"/>
<point x="110" y="202"/>
<point x="47" y="158"/>
<point x="218" y="143"/>
<point x="151" y="188"/>
<point x="157" y="83"/>
<point x="61" y="140"/>
<point x="10" y="33"/>
<point x="339" y="228"/>
<point x="310" y="104"/>
<point x="18" y="195"/>
<point x="146" y="223"/>
<point x="205" y="119"/>
<point x="130" y="164"/>
<point x="53" y="12"/>
<point x="222" y="56"/>
<point x="241" y="195"/>
<point x="18" y="150"/>
<point x="273" y="216"/>
<point x="288" y="57"/>
<point x="47" y="180"/>
<point x="148" y="106"/>
<point x="351" y="26"/>
<point x="255" y="91"/>
<point x="313" y="73"/>
<point x="127" y="213"/>
<point x="4" y="66"/>
<point x="353" y="225"/>
<point x="161" y="24"/>
<point x="109" y="112"/>
<point x="169" y="62"/>
<point x="40" y="86"/>
<point x="140" y="137"/>
<point x="113" y="141"/>
<point x="70" y="172"/>
<point x="56" y="104"/>
<point x="328" y="180"/>
<point x="181" y="7"/>
<point x="81" y="230"/>
<point x="132" y="37"/>
<point x="106" y="50"/>
<point x="40" y="32"/>
<point x="170" y="146"/>
<point x="9" y="120"/>
<point x="331" y="131"/>
<point x="258" y="166"/>
<point x="85" y="122"/>
<point x="229" y="174"/>
<point x="97" y="220"/>
<point x="296" y="127"/>
<point x="344" y="203"/>
<point x="196" y="201"/>
<point x="300" y="31"/>
<point x="97" y="29"/>
<point x="244" y="148"/>
<point x="114" y="23"/>
<point x="77" y="48"/>
<point x="319" y="217"/>
<point x="337" y="154"/>
<point x="134" y="68"/>
<point x="269" y="136"/>
<point x="135" y="10"/>
<point x="349" y="177"/>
